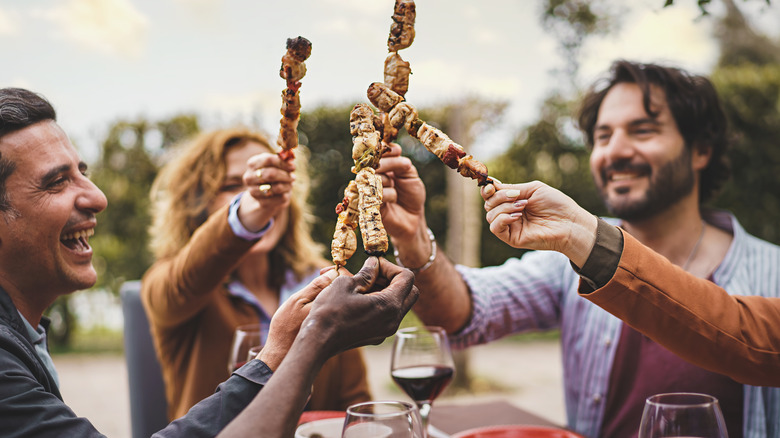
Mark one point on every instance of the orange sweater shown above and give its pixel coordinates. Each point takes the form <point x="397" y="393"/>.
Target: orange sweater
<point x="192" y="318"/>
<point x="738" y="336"/>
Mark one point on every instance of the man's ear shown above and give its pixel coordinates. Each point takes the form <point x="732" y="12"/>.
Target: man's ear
<point x="701" y="156"/>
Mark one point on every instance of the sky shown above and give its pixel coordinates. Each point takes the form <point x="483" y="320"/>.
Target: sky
<point x="100" y="61"/>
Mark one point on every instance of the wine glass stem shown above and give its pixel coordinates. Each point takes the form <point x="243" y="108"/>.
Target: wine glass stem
<point x="425" y="411"/>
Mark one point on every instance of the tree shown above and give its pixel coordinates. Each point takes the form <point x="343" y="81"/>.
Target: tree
<point x="127" y="166"/>
<point x="550" y="150"/>
<point x="704" y="4"/>
<point x="748" y="81"/>
<point x="572" y="21"/>
<point x="125" y="169"/>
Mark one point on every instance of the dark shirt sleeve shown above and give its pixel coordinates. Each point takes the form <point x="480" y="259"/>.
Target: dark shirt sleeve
<point x="30" y="405"/>
<point x="210" y="416"/>
<point x="603" y="259"/>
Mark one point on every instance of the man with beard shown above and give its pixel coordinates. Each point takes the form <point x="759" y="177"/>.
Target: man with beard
<point x="657" y="137"/>
<point x="734" y="335"/>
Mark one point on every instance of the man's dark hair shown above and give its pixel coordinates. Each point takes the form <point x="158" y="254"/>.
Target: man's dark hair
<point x="19" y="108"/>
<point x="691" y="99"/>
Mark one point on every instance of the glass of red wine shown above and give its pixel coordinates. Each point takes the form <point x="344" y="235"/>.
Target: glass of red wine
<point x="422" y="366"/>
<point x="244" y="338"/>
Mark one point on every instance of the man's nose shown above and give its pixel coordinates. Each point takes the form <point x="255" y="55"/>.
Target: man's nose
<point x="620" y="145"/>
<point x="92" y="198"/>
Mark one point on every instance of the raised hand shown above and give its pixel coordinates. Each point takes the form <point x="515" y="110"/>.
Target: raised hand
<point x="536" y="216"/>
<point x="287" y="320"/>
<point x="362" y="309"/>
<point x="403" y="206"/>
<point x="269" y="182"/>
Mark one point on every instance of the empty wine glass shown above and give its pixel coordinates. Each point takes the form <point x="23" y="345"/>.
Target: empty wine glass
<point x="382" y="419"/>
<point x="422" y="366"/>
<point x="253" y="352"/>
<point x="244" y="338"/>
<point x="682" y="414"/>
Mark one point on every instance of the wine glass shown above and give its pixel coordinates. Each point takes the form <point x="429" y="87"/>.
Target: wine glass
<point x="244" y="338"/>
<point x="382" y="419"/>
<point x="422" y="366"/>
<point x="253" y="352"/>
<point x="682" y="414"/>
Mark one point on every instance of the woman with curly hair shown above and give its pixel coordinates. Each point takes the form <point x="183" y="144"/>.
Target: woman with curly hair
<point x="232" y="240"/>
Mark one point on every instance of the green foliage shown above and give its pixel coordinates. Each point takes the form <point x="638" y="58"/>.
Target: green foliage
<point x="704" y="4"/>
<point x="740" y="43"/>
<point x="573" y="21"/>
<point x="125" y="171"/>
<point x="326" y="132"/>
<point x="751" y="100"/>
<point x="550" y="150"/>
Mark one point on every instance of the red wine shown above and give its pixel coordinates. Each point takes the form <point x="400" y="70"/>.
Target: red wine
<point x="423" y="383"/>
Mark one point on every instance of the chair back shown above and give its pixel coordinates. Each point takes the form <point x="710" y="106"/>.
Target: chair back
<point x="148" y="407"/>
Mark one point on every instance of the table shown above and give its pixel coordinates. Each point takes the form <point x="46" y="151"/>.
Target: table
<point x="457" y="418"/>
<point x="453" y="418"/>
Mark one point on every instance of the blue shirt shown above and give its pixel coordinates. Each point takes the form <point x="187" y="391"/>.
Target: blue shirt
<point x="38" y="337"/>
<point x="290" y="286"/>
<point x="539" y="292"/>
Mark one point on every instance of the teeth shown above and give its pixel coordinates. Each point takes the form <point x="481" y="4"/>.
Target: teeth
<point x="79" y="234"/>
<point x="622" y="176"/>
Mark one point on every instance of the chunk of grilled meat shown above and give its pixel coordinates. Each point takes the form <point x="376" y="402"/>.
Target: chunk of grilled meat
<point x="369" y="186"/>
<point x="402" y="29"/>
<point x="344" y="241"/>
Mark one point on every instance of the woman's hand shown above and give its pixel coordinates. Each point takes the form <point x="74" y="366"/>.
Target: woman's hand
<point x="269" y="181"/>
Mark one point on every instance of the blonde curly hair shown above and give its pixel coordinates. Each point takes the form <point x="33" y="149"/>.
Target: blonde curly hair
<point x="190" y="180"/>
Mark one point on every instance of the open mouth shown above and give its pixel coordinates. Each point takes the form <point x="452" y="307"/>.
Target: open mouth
<point x="624" y="172"/>
<point x="79" y="240"/>
<point x="623" y="176"/>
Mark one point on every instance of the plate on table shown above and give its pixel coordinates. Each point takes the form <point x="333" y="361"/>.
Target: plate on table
<point x="516" y="431"/>
<point x="320" y="415"/>
<point x="326" y="428"/>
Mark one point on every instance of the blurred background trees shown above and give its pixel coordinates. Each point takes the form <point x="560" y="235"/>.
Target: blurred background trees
<point x="549" y="149"/>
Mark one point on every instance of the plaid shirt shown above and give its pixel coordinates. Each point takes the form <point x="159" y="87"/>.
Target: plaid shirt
<point x="539" y="292"/>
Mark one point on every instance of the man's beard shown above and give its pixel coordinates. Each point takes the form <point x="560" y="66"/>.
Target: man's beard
<point x="668" y="185"/>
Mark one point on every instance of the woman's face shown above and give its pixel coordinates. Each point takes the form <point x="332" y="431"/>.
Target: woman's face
<point x="235" y="166"/>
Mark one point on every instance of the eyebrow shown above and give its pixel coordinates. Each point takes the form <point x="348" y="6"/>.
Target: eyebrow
<point x="644" y="121"/>
<point x="52" y="173"/>
<point x="632" y="124"/>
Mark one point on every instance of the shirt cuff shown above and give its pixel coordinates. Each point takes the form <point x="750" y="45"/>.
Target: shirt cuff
<point x="603" y="259"/>
<point x="255" y="371"/>
<point x="238" y="228"/>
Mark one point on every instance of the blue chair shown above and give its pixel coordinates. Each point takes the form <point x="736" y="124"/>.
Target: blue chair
<point x="148" y="407"/>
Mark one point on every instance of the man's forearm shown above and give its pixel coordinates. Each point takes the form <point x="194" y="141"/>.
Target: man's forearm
<point x="276" y="410"/>
<point x="444" y="297"/>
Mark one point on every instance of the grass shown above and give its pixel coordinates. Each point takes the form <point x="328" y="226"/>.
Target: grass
<point x="96" y="340"/>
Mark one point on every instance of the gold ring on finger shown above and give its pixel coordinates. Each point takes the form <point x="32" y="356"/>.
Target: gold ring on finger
<point x="265" y="189"/>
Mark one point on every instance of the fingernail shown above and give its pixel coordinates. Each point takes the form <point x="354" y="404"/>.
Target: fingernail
<point x="512" y="193"/>
<point x="516" y="214"/>
<point x="520" y="202"/>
